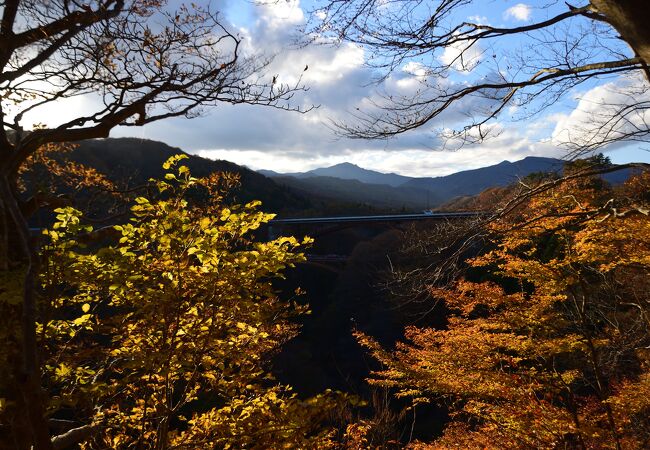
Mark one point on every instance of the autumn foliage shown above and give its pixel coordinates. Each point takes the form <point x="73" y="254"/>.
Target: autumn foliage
<point x="158" y="335"/>
<point x="158" y="332"/>
<point x="547" y="345"/>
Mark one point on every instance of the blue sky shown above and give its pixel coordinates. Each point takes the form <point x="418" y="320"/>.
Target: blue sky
<point x="339" y="83"/>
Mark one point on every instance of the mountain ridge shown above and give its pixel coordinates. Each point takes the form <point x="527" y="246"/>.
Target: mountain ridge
<point x="474" y="181"/>
<point x="420" y="192"/>
<point x="316" y="192"/>
<point x="429" y="191"/>
<point x="346" y="171"/>
<point x="141" y="159"/>
<point x="136" y="160"/>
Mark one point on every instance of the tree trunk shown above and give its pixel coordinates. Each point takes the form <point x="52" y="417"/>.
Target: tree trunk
<point x="4" y="237"/>
<point x="631" y="18"/>
<point x="29" y="380"/>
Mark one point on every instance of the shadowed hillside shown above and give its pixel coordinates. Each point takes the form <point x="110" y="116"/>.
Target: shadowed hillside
<point x="379" y="196"/>
<point x="137" y="160"/>
<point x="133" y="161"/>
<point x="471" y="182"/>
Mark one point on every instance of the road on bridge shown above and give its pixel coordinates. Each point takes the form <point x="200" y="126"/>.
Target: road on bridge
<point x="378" y="218"/>
<point x="325" y="261"/>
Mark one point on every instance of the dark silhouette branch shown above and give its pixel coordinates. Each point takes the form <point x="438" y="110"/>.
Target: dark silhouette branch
<point x="554" y="55"/>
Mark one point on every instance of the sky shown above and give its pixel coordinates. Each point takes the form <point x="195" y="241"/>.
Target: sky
<point x="339" y="82"/>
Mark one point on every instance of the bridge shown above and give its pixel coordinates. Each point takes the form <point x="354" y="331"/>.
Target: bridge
<point x="319" y="226"/>
<point x="429" y="215"/>
<point x="340" y="222"/>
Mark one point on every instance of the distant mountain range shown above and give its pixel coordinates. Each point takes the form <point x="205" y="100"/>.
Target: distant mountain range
<point x="354" y="184"/>
<point x="340" y="189"/>
<point x="472" y="182"/>
<point x="134" y="161"/>
<point x="346" y="171"/>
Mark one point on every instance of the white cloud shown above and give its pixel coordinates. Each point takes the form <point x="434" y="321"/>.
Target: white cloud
<point x="281" y="14"/>
<point x="415" y="160"/>
<point x="267" y="138"/>
<point x="327" y="65"/>
<point x="478" y="20"/>
<point x="415" y="68"/>
<point x="60" y="111"/>
<point x="520" y="12"/>
<point x="462" y="56"/>
<point x="607" y="113"/>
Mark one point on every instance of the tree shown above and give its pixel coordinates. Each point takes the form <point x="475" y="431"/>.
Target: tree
<point x="139" y="61"/>
<point x="159" y="335"/>
<point x="549" y="348"/>
<point x="529" y="66"/>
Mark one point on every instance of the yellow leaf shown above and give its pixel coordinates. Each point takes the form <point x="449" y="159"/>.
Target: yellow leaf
<point x="204" y="223"/>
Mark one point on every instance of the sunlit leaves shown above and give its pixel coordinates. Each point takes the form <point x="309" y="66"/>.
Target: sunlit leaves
<point x="163" y="333"/>
<point x="560" y="358"/>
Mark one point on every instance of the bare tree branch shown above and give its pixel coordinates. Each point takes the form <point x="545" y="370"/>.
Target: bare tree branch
<point x="550" y="57"/>
<point x="74" y="436"/>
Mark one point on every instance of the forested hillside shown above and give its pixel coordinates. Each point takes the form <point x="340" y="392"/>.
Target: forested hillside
<point x="134" y="161"/>
<point x="353" y="184"/>
<point x="379" y="196"/>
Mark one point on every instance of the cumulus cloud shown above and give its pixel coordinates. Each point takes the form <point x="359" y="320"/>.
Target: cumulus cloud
<point x="607" y="116"/>
<point x="415" y="68"/>
<point x="462" y="56"/>
<point x="281" y="14"/>
<point x="338" y="84"/>
<point x="520" y="12"/>
<point x="410" y="156"/>
<point x="478" y="20"/>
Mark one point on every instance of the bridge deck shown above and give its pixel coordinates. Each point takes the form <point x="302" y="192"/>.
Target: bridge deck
<point x="378" y="218"/>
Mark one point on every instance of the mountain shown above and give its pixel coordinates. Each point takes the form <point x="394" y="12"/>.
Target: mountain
<point x="379" y="196"/>
<point x="350" y="183"/>
<point x="471" y="182"/>
<point x="349" y="171"/>
<point x="341" y="189"/>
<point x="346" y="171"/>
<point x="354" y="184"/>
<point x="138" y="160"/>
<point x="135" y="161"/>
